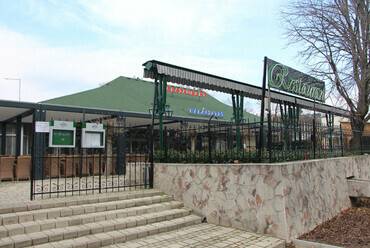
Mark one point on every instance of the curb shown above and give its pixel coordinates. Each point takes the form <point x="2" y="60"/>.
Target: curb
<point x="309" y="244"/>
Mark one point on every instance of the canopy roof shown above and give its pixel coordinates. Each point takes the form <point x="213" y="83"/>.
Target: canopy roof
<point x="189" y="77"/>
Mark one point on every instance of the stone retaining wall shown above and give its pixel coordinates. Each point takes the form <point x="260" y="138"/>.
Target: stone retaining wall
<point x="283" y="200"/>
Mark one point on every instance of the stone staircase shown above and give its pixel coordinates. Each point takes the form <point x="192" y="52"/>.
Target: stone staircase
<point x="92" y="220"/>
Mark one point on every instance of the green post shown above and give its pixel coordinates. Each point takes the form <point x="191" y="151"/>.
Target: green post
<point x="238" y="115"/>
<point x="161" y="103"/>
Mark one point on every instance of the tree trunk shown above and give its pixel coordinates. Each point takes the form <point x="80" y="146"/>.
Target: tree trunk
<point x="357" y="131"/>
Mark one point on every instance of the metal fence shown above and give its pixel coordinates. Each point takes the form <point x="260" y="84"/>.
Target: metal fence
<point x="219" y="143"/>
<point x="125" y="162"/>
<point x="76" y="171"/>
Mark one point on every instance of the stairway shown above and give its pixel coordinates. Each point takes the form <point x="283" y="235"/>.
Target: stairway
<point x="92" y="220"/>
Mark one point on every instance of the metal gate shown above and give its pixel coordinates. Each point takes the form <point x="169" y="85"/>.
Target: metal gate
<point x="121" y="165"/>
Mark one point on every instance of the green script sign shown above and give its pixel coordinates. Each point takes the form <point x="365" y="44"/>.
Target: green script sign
<point x="287" y="79"/>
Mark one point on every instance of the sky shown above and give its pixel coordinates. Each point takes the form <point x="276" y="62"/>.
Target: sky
<point x="64" y="47"/>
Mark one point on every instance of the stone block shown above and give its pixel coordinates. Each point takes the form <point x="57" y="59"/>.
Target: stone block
<point x="107" y="226"/>
<point x="54" y="213"/>
<point x="66" y="212"/>
<point x="40" y="214"/>
<point x="111" y="206"/>
<point x="61" y="222"/>
<point x="70" y="232"/>
<point x="71" y="202"/>
<point x="6" y="243"/>
<point x="104" y="238"/>
<point x="89" y="209"/>
<point x="121" y="213"/>
<point x="100" y="208"/>
<point x="77" y="210"/>
<point x="83" y="231"/>
<point x="121" y="205"/>
<point x="33" y="206"/>
<point x="80" y="242"/>
<point x="118" y="237"/>
<point x="130" y="222"/>
<point x="55" y="235"/>
<point x="3" y="232"/>
<point x="130" y="203"/>
<point x="46" y="205"/>
<point x="87" y="219"/>
<point x="98" y="218"/>
<point x="39" y="238"/>
<point x="31" y="227"/>
<point x="14" y="229"/>
<point x="95" y="228"/>
<point x="140" y="220"/>
<point x="93" y="242"/>
<point x="25" y="217"/>
<point x="22" y="240"/>
<point x="46" y="224"/>
<point x="10" y="219"/>
<point x="110" y="216"/>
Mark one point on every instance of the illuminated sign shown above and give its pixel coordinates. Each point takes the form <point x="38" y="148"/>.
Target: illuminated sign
<point x="287" y="79"/>
<point x="186" y="91"/>
<point x="206" y="112"/>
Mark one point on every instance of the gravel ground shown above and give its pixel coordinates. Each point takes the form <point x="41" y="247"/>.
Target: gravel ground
<point x="350" y="228"/>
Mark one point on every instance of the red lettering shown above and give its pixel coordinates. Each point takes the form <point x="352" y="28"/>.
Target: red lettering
<point x="204" y="94"/>
<point x="168" y="88"/>
<point x="177" y="90"/>
<point x="196" y="93"/>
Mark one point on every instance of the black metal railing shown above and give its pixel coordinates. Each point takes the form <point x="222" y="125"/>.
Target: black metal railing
<point x="121" y="165"/>
<point x="218" y="143"/>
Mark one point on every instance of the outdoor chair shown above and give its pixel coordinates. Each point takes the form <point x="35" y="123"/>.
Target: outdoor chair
<point x="70" y="166"/>
<point x="95" y="161"/>
<point x="7" y="168"/>
<point x="22" y="167"/>
<point x="53" y="166"/>
<point x="83" y="165"/>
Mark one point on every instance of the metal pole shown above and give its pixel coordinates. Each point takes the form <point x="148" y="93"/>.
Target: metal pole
<point x="314" y="129"/>
<point x="341" y="139"/>
<point x="151" y="145"/>
<point x="209" y="140"/>
<point x="262" y="108"/>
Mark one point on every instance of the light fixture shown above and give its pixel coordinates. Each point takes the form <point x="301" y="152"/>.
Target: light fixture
<point x="151" y="111"/>
<point x="233" y="120"/>
<point x="168" y="112"/>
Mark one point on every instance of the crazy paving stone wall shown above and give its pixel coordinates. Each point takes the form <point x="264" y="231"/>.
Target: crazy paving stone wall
<point x="283" y="200"/>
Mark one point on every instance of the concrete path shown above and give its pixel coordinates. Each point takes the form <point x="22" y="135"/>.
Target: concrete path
<point x="205" y="235"/>
<point x="199" y="235"/>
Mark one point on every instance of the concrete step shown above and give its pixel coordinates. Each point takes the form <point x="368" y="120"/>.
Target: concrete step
<point x="129" y="227"/>
<point x="123" y="235"/>
<point x="84" y="207"/>
<point x="85" y="218"/>
<point x="77" y="200"/>
<point x="93" y="220"/>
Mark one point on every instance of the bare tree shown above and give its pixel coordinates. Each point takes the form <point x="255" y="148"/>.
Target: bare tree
<point x="335" y="40"/>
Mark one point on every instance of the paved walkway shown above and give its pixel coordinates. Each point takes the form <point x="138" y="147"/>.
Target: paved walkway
<point x="202" y="235"/>
<point x="205" y="235"/>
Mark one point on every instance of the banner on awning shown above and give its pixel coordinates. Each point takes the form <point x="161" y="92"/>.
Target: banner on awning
<point x="287" y="79"/>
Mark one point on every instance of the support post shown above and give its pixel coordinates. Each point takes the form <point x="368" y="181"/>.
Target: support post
<point x="151" y="143"/>
<point x="3" y="138"/>
<point x="18" y="136"/>
<point x="121" y="145"/>
<point x="38" y="150"/>
<point x="260" y="148"/>
<point x="341" y="139"/>
<point x="209" y="141"/>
